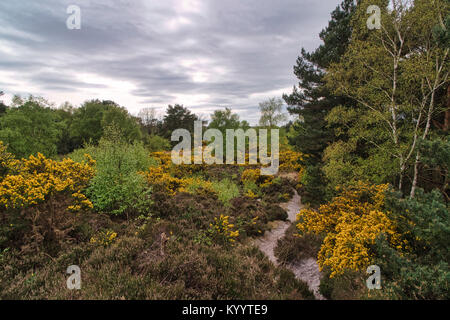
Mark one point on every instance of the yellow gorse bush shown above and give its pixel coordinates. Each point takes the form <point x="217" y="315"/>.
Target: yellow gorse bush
<point x="196" y="185"/>
<point x="350" y="222"/>
<point x="223" y="228"/>
<point x="34" y="180"/>
<point x="254" y="175"/>
<point x="104" y="238"/>
<point x="291" y="161"/>
<point x="5" y="159"/>
<point x="267" y="182"/>
<point x="168" y="177"/>
<point x="250" y="175"/>
<point x="172" y="178"/>
<point x="158" y="177"/>
<point x="250" y="194"/>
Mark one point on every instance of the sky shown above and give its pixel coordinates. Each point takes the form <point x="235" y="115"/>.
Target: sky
<point x="203" y="54"/>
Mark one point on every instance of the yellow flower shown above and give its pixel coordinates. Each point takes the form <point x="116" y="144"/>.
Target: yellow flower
<point x="350" y="222"/>
<point x="34" y="180"/>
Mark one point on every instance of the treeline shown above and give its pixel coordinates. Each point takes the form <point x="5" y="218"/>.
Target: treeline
<point x="33" y="125"/>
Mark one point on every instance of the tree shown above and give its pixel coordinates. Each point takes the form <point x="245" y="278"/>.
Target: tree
<point x="271" y="113"/>
<point x="395" y="75"/>
<point x="87" y="122"/>
<point x="441" y="32"/>
<point x="93" y="116"/>
<point x="311" y="100"/>
<point x="67" y="143"/>
<point x="3" y="107"/>
<point x="177" y="117"/>
<point x="226" y="119"/>
<point x="117" y="187"/>
<point x="31" y="128"/>
<point x="149" y="120"/>
<point x="120" y="117"/>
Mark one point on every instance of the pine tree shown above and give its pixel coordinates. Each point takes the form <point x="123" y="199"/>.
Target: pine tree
<point x="311" y="101"/>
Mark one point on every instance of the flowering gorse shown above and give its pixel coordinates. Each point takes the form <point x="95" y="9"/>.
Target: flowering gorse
<point x="104" y="238"/>
<point x="349" y="223"/>
<point x="223" y="230"/>
<point x="36" y="179"/>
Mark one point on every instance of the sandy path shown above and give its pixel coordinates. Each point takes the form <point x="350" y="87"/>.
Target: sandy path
<point x="306" y="270"/>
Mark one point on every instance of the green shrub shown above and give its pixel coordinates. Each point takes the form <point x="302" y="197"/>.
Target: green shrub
<point x="348" y="286"/>
<point x="156" y="143"/>
<point x="226" y="190"/>
<point x="250" y="186"/>
<point x="421" y="271"/>
<point x="280" y="190"/>
<point x="117" y="187"/>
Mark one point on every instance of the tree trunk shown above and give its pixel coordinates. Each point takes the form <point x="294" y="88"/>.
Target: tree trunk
<point x="416" y="174"/>
<point x="447" y="112"/>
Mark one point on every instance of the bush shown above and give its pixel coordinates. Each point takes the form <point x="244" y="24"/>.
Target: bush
<point x="226" y="190"/>
<point x="118" y="187"/>
<point x="350" y="285"/>
<point x="35" y="196"/>
<point x="277" y="190"/>
<point x="350" y="223"/>
<point x="275" y="212"/>
<point x="293" y="248"/>
<point x="421" y="271"/>
<point x="156" y="143"/>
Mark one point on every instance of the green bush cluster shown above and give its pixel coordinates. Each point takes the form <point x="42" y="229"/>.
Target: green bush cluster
<point x="226" y="190"/>
<point x="422" y="271"/>
<point x="118" y="187"/>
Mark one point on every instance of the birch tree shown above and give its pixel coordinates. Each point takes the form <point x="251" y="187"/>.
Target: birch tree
<point x="394" y="74"/>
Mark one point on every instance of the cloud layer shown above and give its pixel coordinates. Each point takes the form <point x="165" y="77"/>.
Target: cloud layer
<point x="205" y="54"/>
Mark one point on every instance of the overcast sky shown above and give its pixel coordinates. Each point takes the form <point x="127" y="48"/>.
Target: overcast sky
<point x="204" y="54"/>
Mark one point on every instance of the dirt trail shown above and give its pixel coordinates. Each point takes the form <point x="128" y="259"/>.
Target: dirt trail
<point x="306" y="270"/>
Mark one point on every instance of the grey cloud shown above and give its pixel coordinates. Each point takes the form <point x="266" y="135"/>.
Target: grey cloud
<point x="241" y="47"/>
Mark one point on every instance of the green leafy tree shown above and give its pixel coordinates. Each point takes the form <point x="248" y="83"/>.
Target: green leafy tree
<point x="3" y="106"/>
<point x="66" y="143"/>
<point x="226" y="119"/>
<point x="156" y="143"/>
<point x="120" y="117"/>
<point x="31" y="128"/>
<point x="271" y="113"/>
<point x="395" y="75"/>
<point x="93" y="116"/>
<point x="87" y="122"/>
